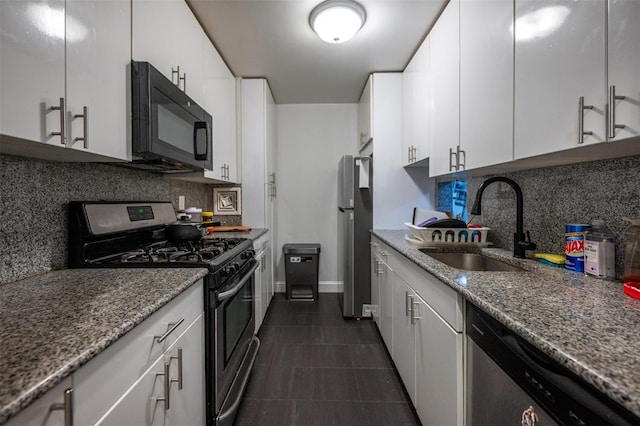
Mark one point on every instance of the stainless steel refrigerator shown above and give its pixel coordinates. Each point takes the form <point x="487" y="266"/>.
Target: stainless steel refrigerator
<point x="355" y="220"/>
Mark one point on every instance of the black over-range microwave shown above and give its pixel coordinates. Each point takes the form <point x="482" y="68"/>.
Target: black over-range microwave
<point x="170" y="132"/>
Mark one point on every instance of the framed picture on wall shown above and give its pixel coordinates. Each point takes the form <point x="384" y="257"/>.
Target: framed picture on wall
<point x="227" y="201"/>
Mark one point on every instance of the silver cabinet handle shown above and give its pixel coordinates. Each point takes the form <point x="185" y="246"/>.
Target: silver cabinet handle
<point x="581" y="131"/>
<point x="166" y="386"/>
<point x="415" y="153"/>
<point x="413" y="312"/>
<point x="172" y="327"/>
<point x="60" y="108"/>
<point x="67" y="406"/>
<point x="179" y="379"/>
<point x="175" y="71"/>
<point x="408" y="303"/>
<point x="184" y="82"/>
<point x="452" y="166"/>
<point x="612" y="111"/>
<point x="84" y="127"/>
<point x="461" y="164"/>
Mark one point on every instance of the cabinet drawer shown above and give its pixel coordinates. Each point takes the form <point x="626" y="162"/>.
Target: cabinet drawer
<point x="98" y="384"/>
<point x="444" y="300"/>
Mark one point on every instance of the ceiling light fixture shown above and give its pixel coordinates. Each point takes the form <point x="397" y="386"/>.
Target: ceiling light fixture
<point x="337" y="21"/>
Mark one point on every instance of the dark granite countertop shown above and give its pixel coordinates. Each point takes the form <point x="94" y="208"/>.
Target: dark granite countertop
<point x="586" y="324"/>
<point x="52" y="324"/>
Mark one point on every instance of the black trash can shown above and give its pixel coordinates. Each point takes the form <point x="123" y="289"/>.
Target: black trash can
<point x="301" y="263"/>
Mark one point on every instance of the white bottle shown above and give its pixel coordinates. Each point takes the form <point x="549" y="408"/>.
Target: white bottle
<point x="599" y="251"/>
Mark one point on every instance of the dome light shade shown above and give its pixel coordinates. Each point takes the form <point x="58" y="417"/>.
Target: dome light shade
<point x="337" y="21"/>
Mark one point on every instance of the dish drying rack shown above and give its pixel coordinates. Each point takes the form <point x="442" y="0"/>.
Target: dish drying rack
<point x="452" y="237"/>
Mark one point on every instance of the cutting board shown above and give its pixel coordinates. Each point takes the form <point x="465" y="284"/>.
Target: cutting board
<point x="238" y="228"/>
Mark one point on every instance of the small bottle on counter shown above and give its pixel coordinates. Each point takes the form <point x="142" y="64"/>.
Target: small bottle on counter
<point x="599" y="251"/>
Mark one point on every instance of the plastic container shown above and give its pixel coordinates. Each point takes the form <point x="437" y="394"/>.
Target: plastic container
<point x="599" y="251"/>
<point x="459" y="237"/>
<point x="632" y="259"/>
<point x="574" y="246"/>
<point x="301" y="264"/>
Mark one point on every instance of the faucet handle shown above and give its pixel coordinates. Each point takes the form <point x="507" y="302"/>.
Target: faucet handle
<point x="527" y="244"/>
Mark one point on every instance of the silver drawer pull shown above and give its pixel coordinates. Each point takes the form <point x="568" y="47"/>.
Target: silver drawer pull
<point x="67" y="406"/>
<point x="172" y="327"/>
<point x="414" y="310"/>
<point x="179" y="379"/>
<point x="166" y="385"/>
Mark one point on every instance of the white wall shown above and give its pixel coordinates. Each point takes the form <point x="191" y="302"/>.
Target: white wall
<point x="311" y="140"/>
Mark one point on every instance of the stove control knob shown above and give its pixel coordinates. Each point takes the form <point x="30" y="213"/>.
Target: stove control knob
<point x="248" y="254"/>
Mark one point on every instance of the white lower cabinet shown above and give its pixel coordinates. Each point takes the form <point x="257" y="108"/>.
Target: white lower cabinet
<point x="423" y="334"/>
<point x="404" y="335"/>
<point x="382" y="279"/>
<point x="263" y="278"/>
<point x="151" y="402"/>
<point x="121" y="385"/>
<point x="40" y="413"/>
<point x="439" y="373"/>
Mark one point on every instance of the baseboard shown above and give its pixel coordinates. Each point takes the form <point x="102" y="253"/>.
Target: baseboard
<point x="323" y="287"/>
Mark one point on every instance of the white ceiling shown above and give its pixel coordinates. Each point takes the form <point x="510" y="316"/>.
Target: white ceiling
<point x="273" y="39"/>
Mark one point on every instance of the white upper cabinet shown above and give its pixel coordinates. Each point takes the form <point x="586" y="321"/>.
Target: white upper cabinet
<point x="32" y="68"/>
<point x="415" y="111"/>
<point x="486" y="82"/>
<point x="445" y="92"/>
<point x="258" y="154"/>
<point x="167" y="35"/>
<point x="220" y="102"/>
<point x="365" y="108"/>
<point x="98" y="55"/>
<point x="64" y="76"/>
<point x="624" y="63"/>
<point x="559" y="79"/>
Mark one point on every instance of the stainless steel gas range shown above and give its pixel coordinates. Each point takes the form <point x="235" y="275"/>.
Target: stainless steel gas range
<point x="132" y="235"/>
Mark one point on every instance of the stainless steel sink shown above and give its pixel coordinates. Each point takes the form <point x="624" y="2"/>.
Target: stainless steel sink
<point x="472" y="261"/>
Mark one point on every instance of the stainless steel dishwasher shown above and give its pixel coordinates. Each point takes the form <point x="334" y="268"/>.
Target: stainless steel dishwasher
<point x="510" y="382"/>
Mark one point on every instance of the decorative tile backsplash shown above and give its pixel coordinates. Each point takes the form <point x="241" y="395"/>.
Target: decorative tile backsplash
<point x="33" y="206"/>
<point x="556" y="196"/>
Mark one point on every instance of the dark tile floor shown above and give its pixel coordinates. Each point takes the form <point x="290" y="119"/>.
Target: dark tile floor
<point x="316" y="368"/>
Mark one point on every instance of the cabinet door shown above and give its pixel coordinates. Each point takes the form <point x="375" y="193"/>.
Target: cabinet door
<point x="98" y="55"/>
<point x="364" y="115"/>
<point x="32" y="68"/>
<point x="187" y="405"/>
<point x="624" y="62"/>
<point x="415" y="112"/>
<point x="486" y="82"/>
<point x="268" y="276"/>
<point x="438" y="368"/>
<point x="166" y="34"/>
<point x="445" y="89"/>
<point x="140" y="405"/>
<point x="404" y="355"/>
<point x="220" y="102"/>
<point x="258" y="292"/>
<point x="38" y="413"/>
<point x="375" y="284"/>
<point x="559" y="57"/>
<point x="386" y="303"/>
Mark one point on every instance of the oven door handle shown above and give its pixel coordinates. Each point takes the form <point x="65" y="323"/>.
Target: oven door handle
<point x="230" y="293"/>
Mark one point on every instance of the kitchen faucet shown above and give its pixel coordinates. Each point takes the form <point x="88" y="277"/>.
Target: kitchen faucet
<point x="520" y="241"/>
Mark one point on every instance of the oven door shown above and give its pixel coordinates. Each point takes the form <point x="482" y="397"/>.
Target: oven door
<point x="235" y="345"/>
